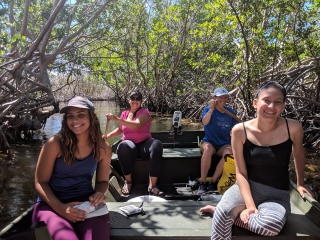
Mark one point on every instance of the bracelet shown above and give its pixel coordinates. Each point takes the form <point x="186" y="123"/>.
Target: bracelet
<point x="210" y="111"/>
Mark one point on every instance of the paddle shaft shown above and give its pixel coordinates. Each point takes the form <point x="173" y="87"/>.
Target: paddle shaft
<point x="222" y="109"/>
<point x="107" y="127"/>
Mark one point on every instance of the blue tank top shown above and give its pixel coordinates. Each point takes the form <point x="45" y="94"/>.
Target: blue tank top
<point x="268" y="165"/>
<point x="71" y="182"/>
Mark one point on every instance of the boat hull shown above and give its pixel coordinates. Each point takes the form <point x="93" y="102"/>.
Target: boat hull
<point x="177" y="216"/>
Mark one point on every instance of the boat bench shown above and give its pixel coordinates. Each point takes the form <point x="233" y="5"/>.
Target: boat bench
<point x="177" y="220"/>
<point x="184" y="162"/>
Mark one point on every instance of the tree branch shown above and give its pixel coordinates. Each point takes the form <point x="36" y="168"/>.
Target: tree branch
<point x="40" y="37"/>
<point x="83" y="27"/>
<point x="24" y="31"/>
<point x="305" y="99"/>
<point x="47" y="35"/>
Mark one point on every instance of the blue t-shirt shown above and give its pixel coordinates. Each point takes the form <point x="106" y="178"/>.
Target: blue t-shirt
<point x="217" y="131"/>
<point x="69" y="182"/>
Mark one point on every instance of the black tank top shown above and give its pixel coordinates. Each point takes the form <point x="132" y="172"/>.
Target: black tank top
<point x="268" y="165"/>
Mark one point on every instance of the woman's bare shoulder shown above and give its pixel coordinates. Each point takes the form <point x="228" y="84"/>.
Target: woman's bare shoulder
<point x="238" y="131"/>
<point x="53" y="141"/>
<point x="295" y="127"/>
<point x="52" y="147"/>
<point x="105" y="148"/>
<point x="104" y="145"/>
<point x="294" y="124"/>
<point x="240" y="126"/>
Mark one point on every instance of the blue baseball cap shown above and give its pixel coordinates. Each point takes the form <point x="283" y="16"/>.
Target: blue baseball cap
<point x="220" y="92"/>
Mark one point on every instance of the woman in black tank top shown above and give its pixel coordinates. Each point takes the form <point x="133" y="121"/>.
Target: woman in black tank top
<point x="262" y="148"/>
<point x="267" y="132"/>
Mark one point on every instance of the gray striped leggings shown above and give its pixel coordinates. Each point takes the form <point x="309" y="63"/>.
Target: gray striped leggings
<point x="273" y="205"/>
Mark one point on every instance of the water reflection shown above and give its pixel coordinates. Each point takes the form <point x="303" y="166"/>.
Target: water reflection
<point x="17" y="174"/>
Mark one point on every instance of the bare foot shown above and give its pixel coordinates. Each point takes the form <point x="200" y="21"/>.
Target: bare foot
<point x="208" y="209"/>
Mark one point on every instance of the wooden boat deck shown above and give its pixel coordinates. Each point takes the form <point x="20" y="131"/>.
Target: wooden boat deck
<point x="182" y="220"/>
<point x="176" y="219"/>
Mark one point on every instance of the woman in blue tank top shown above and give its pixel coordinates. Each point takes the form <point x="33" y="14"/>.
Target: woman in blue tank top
<point x="260" y="199"/>
<point x="63" y="177"/>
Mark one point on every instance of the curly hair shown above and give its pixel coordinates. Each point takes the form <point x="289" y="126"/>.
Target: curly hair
<point x="68" y="140"/>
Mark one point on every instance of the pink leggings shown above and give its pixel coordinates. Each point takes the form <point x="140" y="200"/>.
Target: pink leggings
<point x="95" y="228"/>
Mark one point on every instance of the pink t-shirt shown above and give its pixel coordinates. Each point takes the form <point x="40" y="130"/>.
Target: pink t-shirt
<point x="136" y="135"/>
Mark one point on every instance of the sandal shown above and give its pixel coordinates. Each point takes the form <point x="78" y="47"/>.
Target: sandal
<point x="158" y="193"/>
<point x="125" y="189"/>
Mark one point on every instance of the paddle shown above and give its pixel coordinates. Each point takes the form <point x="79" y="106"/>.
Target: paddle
<point x="104" y="136"/>
<point x="116" y="174"/>
<point x="222" y="109"/>
<point x="107" y="127"/>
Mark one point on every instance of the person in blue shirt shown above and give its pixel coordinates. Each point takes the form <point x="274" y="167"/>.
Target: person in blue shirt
<point x="217" y="139"/>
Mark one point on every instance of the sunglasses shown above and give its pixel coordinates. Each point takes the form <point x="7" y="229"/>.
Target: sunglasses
<point x="132" y="98"/>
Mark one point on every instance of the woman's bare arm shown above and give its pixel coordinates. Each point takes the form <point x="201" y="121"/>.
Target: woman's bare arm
<point x="296" y="134"/>
<point x="48" y="155"/>
<point x="136" y="124"/>
<point x="237" y="141"/>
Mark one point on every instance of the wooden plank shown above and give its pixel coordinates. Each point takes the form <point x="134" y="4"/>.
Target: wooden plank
<point x="168" y="219"/>
<point x="182" y="220"/>
<point x="185" y="138"/>
<point x="114" y="190"/>
<point x="308" y="206"/>
<point x="169" y="153"/>
<point x="181" y="153"/>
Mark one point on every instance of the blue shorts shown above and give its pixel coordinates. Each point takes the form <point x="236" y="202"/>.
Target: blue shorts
<point x="216" y="147"/>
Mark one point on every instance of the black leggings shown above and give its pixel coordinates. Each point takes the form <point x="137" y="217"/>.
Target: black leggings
<point x="151" y="149"/>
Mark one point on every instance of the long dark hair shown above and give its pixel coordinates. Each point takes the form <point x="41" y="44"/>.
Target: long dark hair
<point x="135" y="113"/>
<point x="68" y="140"/>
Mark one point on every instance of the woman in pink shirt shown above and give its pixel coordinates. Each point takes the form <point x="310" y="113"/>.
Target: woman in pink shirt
<point x="137" y="142"/>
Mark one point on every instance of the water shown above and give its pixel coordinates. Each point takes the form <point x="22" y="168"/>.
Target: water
<point x="17" y="174"/>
